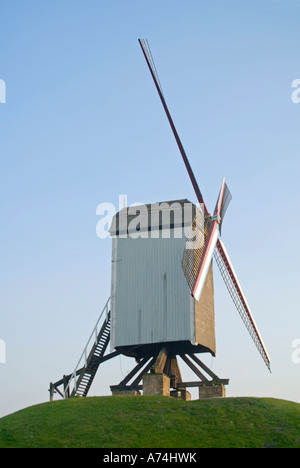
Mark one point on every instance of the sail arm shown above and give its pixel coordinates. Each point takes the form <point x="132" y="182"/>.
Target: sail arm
<point x="238" y="297"/>
<point x="222" y="203"/>
<point x="150" y="62"/>
<point x="209" y="248"/>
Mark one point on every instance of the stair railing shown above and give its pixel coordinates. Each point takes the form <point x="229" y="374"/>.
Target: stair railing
<point x="83" y="358"/>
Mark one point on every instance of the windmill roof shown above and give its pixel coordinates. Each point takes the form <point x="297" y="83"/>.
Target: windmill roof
<point x="153" y="216"/>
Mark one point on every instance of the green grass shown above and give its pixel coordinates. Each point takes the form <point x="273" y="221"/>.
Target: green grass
<point x="154" y="422"/>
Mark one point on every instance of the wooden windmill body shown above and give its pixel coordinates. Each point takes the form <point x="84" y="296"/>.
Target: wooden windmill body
<point x="153" y="314"/>
<point x="151" y="302"/>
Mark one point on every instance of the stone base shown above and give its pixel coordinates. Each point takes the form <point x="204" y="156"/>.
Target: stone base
<point x="181" y="394"/>
<point x="212" y="391"/>
<point x="156" y="384"/>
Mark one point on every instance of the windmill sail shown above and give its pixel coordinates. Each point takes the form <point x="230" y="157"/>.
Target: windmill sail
<point x="204" y="257"/>
<point x="238" y="297"/>
<point x="222" y="203"/>
<point x="196" y="261"/>
<point x="148" y="56"/>
<point x="197" y="255"/>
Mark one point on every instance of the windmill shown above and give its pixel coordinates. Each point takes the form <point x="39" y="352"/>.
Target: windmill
<point x="162" y="297"/>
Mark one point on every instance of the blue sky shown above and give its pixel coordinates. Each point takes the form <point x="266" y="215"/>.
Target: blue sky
<point x="82" y="124"/>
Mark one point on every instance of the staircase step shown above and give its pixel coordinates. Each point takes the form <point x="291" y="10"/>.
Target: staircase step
<point x="91" y="368"/>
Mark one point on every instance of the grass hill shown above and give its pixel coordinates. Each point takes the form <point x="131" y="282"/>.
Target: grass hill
<point x="154" y="422"/>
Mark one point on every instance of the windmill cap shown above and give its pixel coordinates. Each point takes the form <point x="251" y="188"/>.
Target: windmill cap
<point x="153" y="216"/>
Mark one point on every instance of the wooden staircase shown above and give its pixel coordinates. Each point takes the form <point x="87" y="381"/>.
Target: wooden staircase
<point x="88" y="372"/>
<point x="79" y="382"/>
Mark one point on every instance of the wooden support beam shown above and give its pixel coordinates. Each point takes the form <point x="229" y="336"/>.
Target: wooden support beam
<point x="102" y="359"/>
<point x="194" y="368"/>
<point x="51" y="390"/>
<point x="144" y="371"/>
<point x="58" y="391"/>
<point x="126" y="387"/>
<point x="204" y="367"/>
<point x="174" y="372"/>
<point x="160" y="362"/>
<point x="209" y="383"/>
<point x="133" y="372"/>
